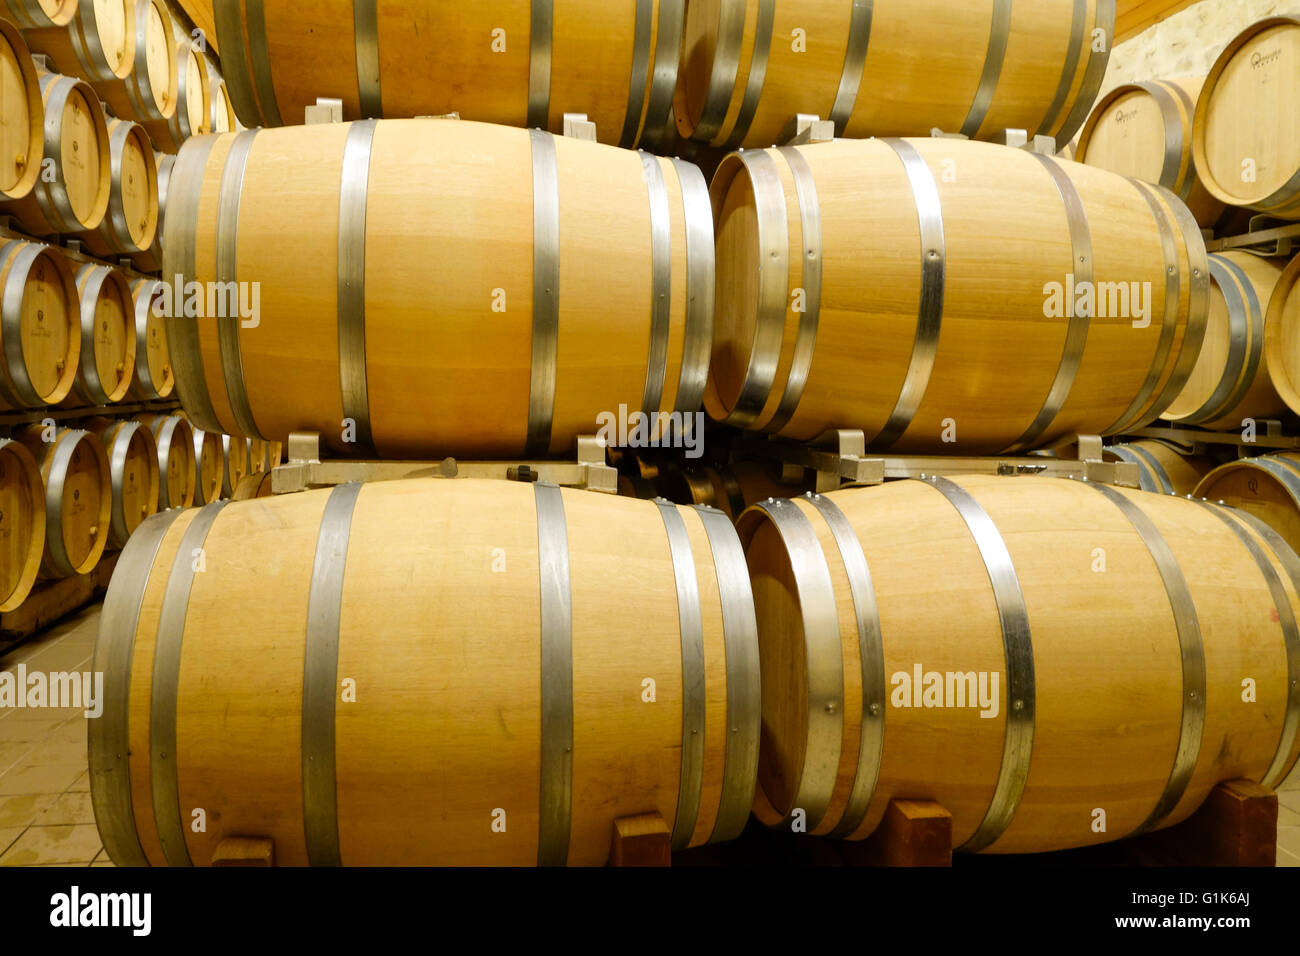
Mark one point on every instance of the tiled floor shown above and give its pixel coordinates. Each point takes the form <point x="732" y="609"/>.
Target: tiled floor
<point x="45" y="814"/>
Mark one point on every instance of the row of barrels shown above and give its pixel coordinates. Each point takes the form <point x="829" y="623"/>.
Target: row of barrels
<point x="801" y="664"/>
<point x="68" y="494"/>
<point x="728" y="488"/>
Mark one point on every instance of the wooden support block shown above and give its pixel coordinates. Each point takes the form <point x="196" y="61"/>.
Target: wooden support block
<point x="244" y="851"/>
<point x="913" y="833"/>
<point x="1236" y="826"/>
<point x="643" y="840"/>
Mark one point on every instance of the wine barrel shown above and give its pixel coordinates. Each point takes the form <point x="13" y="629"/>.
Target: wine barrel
<point x="78" y="498"/>
<point x="732" y="489"/>
<point x="637" y="486"/>
<point x="97" y="46"/>
<point x="151" y="259"/>
<point x="153" y="369"/>
<point x="22" y="523"/>
<point x="1282" y="337"/>
<point x="1164" y="468"/>
<point x="664" y="719"/>
<point x="1252" y="92"/>
<point x="1268" y="487"/>
<point x="40" y="328"/>
<point x="586" y="285"/>
<point x="256" y="485"/>
<point x="22" y="135"/>
<point x="210" y="459"/>
<point x="133" y="470"/>
<point x="108" y="335"/>
<point x="38" y="14"/>
<point x="919" y="640"/>
<point x="72" y="193"/>
<point x="1231" y="380"/>
<point x="1144" y="130"/>
<point x="615" y="62"/>
<point x="148" y="92"/>
<point x="859" y="286"/>
<point x="890" y="68"/>
<point x="234" y="452"/>
<point x="223" y="111"/>
<point x="177" y="471"/>
<point x="257" y="457"/>
<point x="191" y="116"/>
<point x="131" y="224"/>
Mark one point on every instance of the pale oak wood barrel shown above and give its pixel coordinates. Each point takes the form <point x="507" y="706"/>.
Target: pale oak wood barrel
<point x="1282" y="337"/>
<point x="133" y="470"/>
<point x="234" y="452"/>
<point x="1164" y="468"/>
<point x="1246" y="142"/>
<point x="153" y="365"/>
<point x="40" y="327"/>
<point x="108" y="335"/>
<point x="223" y="111"/>
<point x="210" y="462"/>
<point x="35" y="14"/>
<point x="731" y="489"/>
<point x="97" y="46"/>
<point x="72" y="193"/>
<point x="177" y="470"/>
<point x="151" y="259"/>
<point x="578" y="280"/>
<point x="891" y="284"/>
<point x="192" y="114"/>
<point x="22" y="523"/>
<point x="256" y="485"/>
<point x="530" y="752"/>
<point x="531" y="64"/>
<point x="78" y="498"/>
<point x="890" y="68"/>
<point x="1268" y="487"/>
<point x="1232" y="380"/>
<point x="130" y="226"/>
<point x="1144" y="130"/>
<point x="22" y="135"/>
<point x="149" y="91"/>
<point x="885" y="613"/>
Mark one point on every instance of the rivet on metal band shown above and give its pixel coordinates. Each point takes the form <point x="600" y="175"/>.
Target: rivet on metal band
<point x="999" y="32"/>
<point x="757" y="74"/>
<point x="1094" y="73"/>
<point x="640" y="76"/>
<point x="855" y="59"/>
<point x="1018" y="650"/>
<point x="556" y="795"/>
<point x="260" y="62"/>
<point x="871" y="653"/>
<point x="320" y="667"/>
<point x="698" y="339"/>
<point x="925" y="347"/>
<point x="354" y="190"/>
<point x="540" y="39"/>
<point x="1074" y="52"/>
<point x="1290" y="562"/>
<point x="691" y="625"/>
<point x="805" y="344"/>
<point x="163" y="769"/>
<point x="226" y="242"/>
<point x="726" y="67"/>
<point x="744" y="689"/>
<point x="661" y="287"/>
<point x="1076" y="336"/>
<point x="365" y="27"/>
<point x="1191" y="651"/>
<point x="546" y="292"/>
<point x="663" y="82"/>
<point x="228" y="17"/>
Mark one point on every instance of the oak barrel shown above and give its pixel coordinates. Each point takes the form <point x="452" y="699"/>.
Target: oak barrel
<point x="108" y="335"/>
<point x="1267" y="486"/>
<point x="210" y="465"/>
<point x="223" y="118"/>
<point x="948" y="296"/>
<point x="191" y="116"/>
<point x="97" y="46"/>
<point x="1144" y="130"/>
<point x="575" y="278"/>
<point x="133" y="470"/>
<point x="130" y="225"/>
<point x="890" y="68"/>
<point x="148" y="92"/>
<point x="78" y="498"/>
<point x="1163" y="467"/>
<point x="35" y="14"/>
<point x="1282" y="337"/>
<point x="22" y="523"/>
<point x="234" y="453"/>
<point x="255" y="485"/>
<point x="40" y="326"/>
<point x="177" y="470"/>
<point x="150" y="260"/>
<point x="546" y="725"/>
<point x="970" y="642"/>
<point x="153" y="364"/>
<point x="22" y="134"/>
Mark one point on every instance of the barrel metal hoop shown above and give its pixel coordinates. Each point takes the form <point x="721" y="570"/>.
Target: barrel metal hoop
<point x="117" y="453"/>
<point x="925" y="347"/>
<point x="164" y="438"/>
<point x="163" y="765"/>
<point x="1173" y="161"/>
<point x="226" y="242"/>
<point x="60" y="458"/>
<point x="871" y="653"/>
<point x="1169" y="324"/>
<point x="365" y="29"/>
<point x="661" y="286"/>
<point x="136" y="84"/>
<point x="118" y="229"/>
<point x="1157" y="470"/>
<point x="556" y="792"/>
<point x="698" y="339"/>
<point x="89" y="297"/>
<point x="1095" y="72"/>
<point x="1018" y="649"/>
<point x="1147" y="480"/>
<point x="999" y="33"/>
<point x="806" y="339"/>
<point x="143" y="307"/>
<point x="757" y="74"/>
<point x="1188" y="167"/>
<point x="1290" y="562"/>
<point x="83" y="36"/>
<point x="354" y="188"/>
<point x="540" y="42"/>
<point x="108" y="741"/>
<point x="1243" y="307"/>
<point x="228" y="18"/>
<point x="20" y="382"/>
<point x="663" y="84"/>
<point x="260" y="61"/>
<point x="726" y="68"/>
<point x="640" y="75"/>
<point x="1076" y="338"/>
<point x="546" y="292"/>
<point x="1254" y="318"/>
<point x="855" y="60"/>
<point x="58" y="207"/>
<point x="320" y="670"/>
<point x="1074" y="51"/>
<point x="694" y="705"/>
<point x="1191" y="649"/>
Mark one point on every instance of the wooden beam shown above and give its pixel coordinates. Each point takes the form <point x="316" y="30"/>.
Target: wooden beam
<point x="1134" y="16"/>
<point x="643" y="840"/>
<point x="913" y="833"/>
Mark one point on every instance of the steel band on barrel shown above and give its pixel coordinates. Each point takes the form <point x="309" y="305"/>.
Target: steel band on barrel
<point x="354" y="190"/>
<point x="556" y="795"/>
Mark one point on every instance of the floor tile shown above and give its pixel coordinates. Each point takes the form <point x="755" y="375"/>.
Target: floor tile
<point x="22" y="810"/>
<point x="69" y="808"/>
<point x="51" y="780"/>
<point x="8" y="835"/>
<point x="52" y="752"/>
<point x="1287" y="858"/>
<point x="51" y="846"/>
<point x="82" y="783"/>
